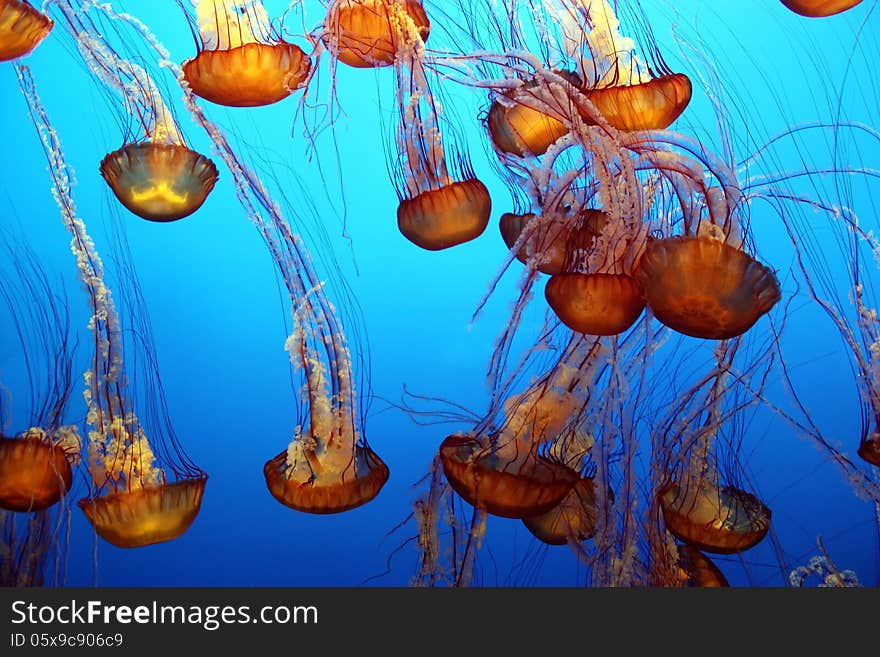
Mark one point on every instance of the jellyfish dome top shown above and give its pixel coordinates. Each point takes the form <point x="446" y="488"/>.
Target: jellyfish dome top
<point x="717" y="519"/>
<point x="240" y="62"/>
<point x="367" y="33"/>
<point x="22" y="28"/>
<point x="704" y="287"/>
<point x="158" y="178"/>
<point x="505" y="473"/>
<point x="820" y="8"/>
<point x="518" y="128"/>
<point x="573" y="519"/>
<point x="159" y="181"/>
<point x="35" y="468"/>
<point x="624" y="91"/>
<point x="869" y="449"/>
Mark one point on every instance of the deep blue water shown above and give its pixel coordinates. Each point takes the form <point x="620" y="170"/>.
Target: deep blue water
<point x="219" y="316"/>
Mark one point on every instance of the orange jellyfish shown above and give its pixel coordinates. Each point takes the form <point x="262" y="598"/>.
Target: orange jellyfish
<point x="820" y="8"/>
<point x="240" y="60"/>
<point x="624" y="91"/>
<point x="22" y="28"/>
<point x="327" y="467"/>
<point x="36" y="466"/>
<point x="508" y="472"/>
<point x="718" y="519"/>
<point x="365" y="33"/>
<point x="516" y="127"/>
<point x="436" y="210"/>
<point x="704" y="287"/>
<point x="574" y="518"/>
<point x="698" y="570"/>
<point x="157" y="178"/>
<point x="141" y="496"/>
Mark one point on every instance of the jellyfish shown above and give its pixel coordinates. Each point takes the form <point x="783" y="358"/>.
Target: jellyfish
<point x="436" y="210"/>
<point x="626" y="92"/>
<point x="22" y="28"/>
<point x="140" y="495"/>
<point x="702" y="287"/>
<point x="241" y="61"/>
<point x="157" y="177"/>
<point x="820" y="8"/>
<point x="698" y="570"/>
<point x="518" y="128"/>
<point x="36" y="464"/>
<point x="367" y="33"/>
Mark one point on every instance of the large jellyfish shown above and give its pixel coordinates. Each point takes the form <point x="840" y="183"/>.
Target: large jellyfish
<point x="144" y="491"/>
<point x="820" y="8"/>
<point x="241" y="61"/>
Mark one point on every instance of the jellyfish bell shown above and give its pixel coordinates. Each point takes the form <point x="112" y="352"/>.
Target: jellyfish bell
<point x="367" y="33"/>
<point x="440" y="218"/>
<point x="721" y="520"/>
<point x="35" y="472"/>
<point x="314" y="489"/>
<point x="573" y="519"/>
<point x="484" y="478"/>
<point x="145" y="515"/>
<point x="159" y="182"/>
<point x="595" y="304"/>
<point x="650" y="105"/>
<point x="551" y="241"/>
<point x="820" y="8"/>
<point x="240" y="63"/>
<point x="22" y="28"/>
<point x="521" y="130"/>
<point x="698" y="570"/>
<point x="705" y="288"/>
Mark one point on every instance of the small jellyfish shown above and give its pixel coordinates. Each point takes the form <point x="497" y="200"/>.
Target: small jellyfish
<point x="241" y="62"/>
<point x="366" y="33"/>
<point x="574" y="518"/>
<point x="505" y="471"/>
<point x="820" y="8"/>
<point x="597" y="304"/>
<point x="328" y="467"/>
<point x="439" y="207"/>
<point x="718" y="519"/>
<point x="35" y="471"/>
<point x="518" y="128"/>
<point x="624" y="91"/>
<point x="869" y="448"/>
<point x="705" y="288"/>
<point x="698" y="570"/>
<point x="439" y="218"/>
<point x="22" y="28"/>
<point x="157" y="178"/>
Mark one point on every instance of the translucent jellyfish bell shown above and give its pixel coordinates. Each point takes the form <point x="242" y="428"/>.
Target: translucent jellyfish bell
<point x="651" y="105"/>
<point x="159" y="182"/>
<point x="595" y="304"/>
<point x="35" y="472"/>
<point x="721" y="520"/>
<point x="240" y="64"/>
<point x="147" y="515"/>
<point x="366" y="33"/>
<point x="484" y="478"/>
<point x="22" y="28"/>
<point x="440" y="218"/>
<point x="574" y="518"/>
<point x="705" y="288"/>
